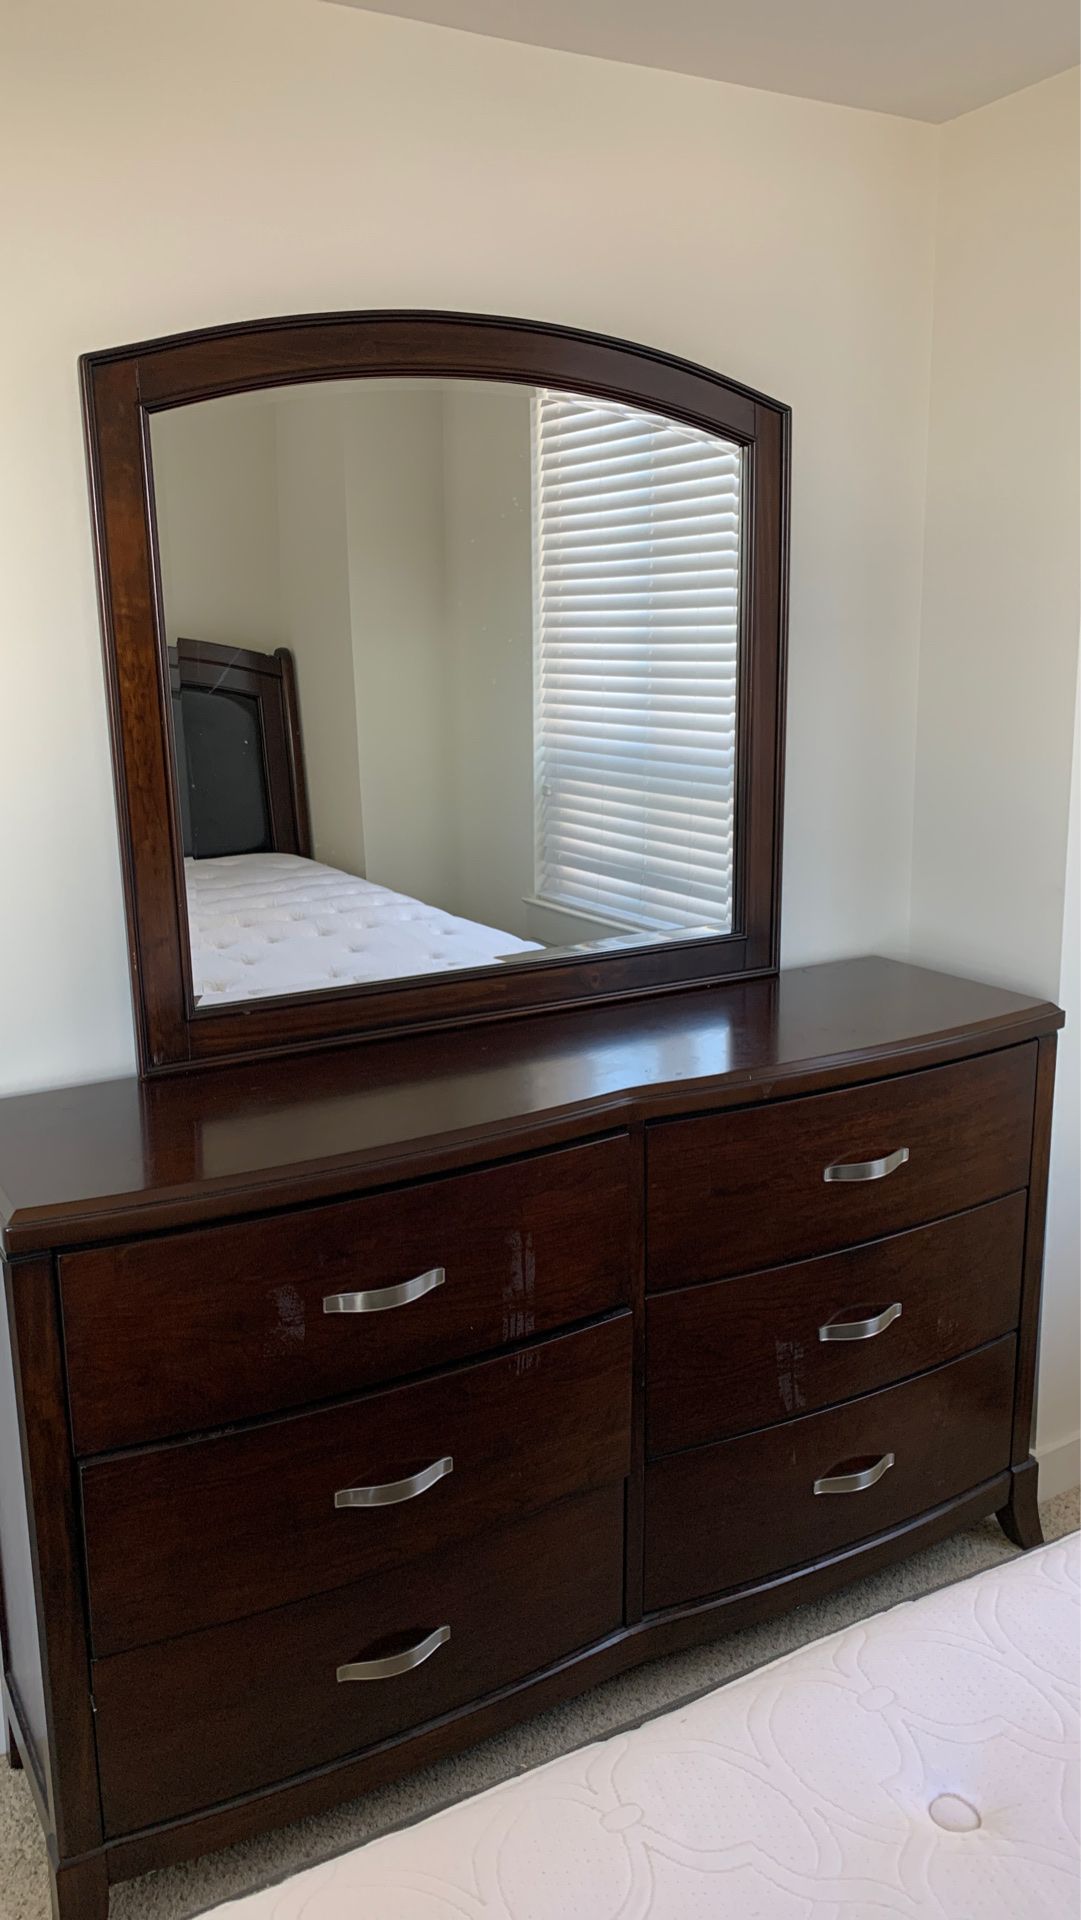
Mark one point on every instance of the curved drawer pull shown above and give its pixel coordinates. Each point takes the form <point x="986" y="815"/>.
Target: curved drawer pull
<point x="855" y="1482"/>
<point x="394" y="1491"/>
<point x="395" y="1663"/>
<point x="861" y="1329"/>
<point x="866" y="1169"/>
<point x="378" y="1299"/>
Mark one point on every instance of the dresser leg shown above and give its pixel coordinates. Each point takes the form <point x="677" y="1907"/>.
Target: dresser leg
<point x="81" y="1891"/>
<point x="15" y="1759"/>
<point x="1020" y="1517"/>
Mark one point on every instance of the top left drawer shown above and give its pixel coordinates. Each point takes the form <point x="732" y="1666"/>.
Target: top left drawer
<point x="197" y="1329"/>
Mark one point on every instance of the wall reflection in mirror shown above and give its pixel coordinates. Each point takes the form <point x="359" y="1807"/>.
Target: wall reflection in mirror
<point x="454" y="678"/>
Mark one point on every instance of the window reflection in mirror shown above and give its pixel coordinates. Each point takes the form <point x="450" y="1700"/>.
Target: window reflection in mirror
<point x="453" y="672"/>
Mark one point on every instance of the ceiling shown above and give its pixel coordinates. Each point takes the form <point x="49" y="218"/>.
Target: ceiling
<point x="926" y="59"/>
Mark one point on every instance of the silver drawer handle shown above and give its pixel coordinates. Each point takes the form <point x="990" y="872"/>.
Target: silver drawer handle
<point x="866" y="1169"/>
<point x="861" y="1329"/>
<point x="378" y="1299"/>
<point x="395" y="1663"/>
<point x="394" y="1491"/>
<point x="855" y="1482"/>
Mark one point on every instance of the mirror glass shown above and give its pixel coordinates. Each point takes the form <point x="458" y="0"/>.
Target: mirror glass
<point x="453" y="672"/>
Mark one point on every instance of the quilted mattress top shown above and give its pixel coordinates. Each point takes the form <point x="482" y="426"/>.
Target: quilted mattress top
<point x="267" y="923"/>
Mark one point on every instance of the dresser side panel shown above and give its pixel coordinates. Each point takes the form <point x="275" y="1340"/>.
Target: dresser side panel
<point x="18" y="1606"/>
<point x="48" y="1471"/>
<point x="1028" y="1351"/>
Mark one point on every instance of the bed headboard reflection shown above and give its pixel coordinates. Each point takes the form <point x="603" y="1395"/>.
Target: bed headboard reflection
<point x="240" y="765"/>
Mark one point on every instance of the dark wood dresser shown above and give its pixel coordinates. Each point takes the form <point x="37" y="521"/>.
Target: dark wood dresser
<point x="355" y="1405"/>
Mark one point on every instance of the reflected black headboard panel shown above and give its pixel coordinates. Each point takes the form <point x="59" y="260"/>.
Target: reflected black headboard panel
<point x="240" y="769"/>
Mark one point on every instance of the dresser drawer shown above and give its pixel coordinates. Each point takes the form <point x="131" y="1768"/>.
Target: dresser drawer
<point x="718" y="1517"/>
<point x="195" y="1533"/>
<point x="760" y="1185"/>
<point x="222" y="1712"/>
<point x="736" y="1354"/>
<point x="197" y="1329"/>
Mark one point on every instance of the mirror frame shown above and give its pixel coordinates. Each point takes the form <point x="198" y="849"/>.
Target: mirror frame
<point x="124" y="386"/>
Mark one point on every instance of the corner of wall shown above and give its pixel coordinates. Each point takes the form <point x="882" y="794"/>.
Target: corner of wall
<point x="998" y="642"/>
<point x="936" y="225"/>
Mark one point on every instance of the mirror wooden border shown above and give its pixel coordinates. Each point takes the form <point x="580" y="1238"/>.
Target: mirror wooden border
<point x="123" y="387"/>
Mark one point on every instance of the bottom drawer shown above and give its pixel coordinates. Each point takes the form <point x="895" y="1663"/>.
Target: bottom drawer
<point x="221" y="1712"/>
<point x="717" y="1517"/>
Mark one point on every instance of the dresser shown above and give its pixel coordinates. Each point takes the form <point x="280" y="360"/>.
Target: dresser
<point x="359" y="1404"/>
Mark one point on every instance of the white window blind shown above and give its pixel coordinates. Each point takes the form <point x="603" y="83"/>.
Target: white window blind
<point x="636" y="554"/>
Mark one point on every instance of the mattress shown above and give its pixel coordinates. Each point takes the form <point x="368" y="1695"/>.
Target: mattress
<point x="265" y="923"/>
<point x="923" y="1763"/>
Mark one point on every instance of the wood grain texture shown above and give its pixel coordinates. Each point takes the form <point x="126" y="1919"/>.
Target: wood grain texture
<point x="1019" y="1518"/>
<point x="215" y="1714"/>
<point x="719" y="1517"/>
<point x="761" y="691"/>
<point x="635" y="1515"/>
<point x="746" y="1190"/>
<point x="736" y="1354"/>
<point x="20" y="1640"/>
<point x="80" y="1889"/>
<point x="64" y="1748"/>
<point x="123" y="386"/>
<point x="549" y="1420"/>
<point x="268" y="681"/>
<point x="1024" y="1412"/>
<point x="294" y="746"/>
<point x="121" y="1158"/>
<point x="172" y="1335"/>
<point x="137" y="687"/>
<point x="685" y="1627"/>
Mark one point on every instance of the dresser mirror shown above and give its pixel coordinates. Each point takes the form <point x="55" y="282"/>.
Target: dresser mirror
<point x="446" y="670"/>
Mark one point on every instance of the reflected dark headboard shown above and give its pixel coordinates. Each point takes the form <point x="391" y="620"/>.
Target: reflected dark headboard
<point x="240" y="765"/>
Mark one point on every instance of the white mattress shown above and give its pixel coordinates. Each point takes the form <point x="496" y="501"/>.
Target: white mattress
<point x="923" y="1763"/>
<point x="264" y="923"/>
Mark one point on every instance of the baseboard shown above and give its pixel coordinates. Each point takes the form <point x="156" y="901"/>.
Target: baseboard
<point x="1060" y="1466"/>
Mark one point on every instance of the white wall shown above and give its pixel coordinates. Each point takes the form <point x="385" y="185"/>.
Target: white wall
<point x="216" y="501"/>
<point x="998" y="662"/>
<point x="998" y="658"/>
<point x="489" y="604"/>
<point x="312" y="529"/>
<point x="397" y="599"/>
<point x="185" y="165"/>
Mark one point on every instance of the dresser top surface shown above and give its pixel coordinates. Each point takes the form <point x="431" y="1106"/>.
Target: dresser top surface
<point x="122" y="1157"/>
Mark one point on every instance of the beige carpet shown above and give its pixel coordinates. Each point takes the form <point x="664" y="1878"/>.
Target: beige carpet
<point x="183" y="1891"/>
